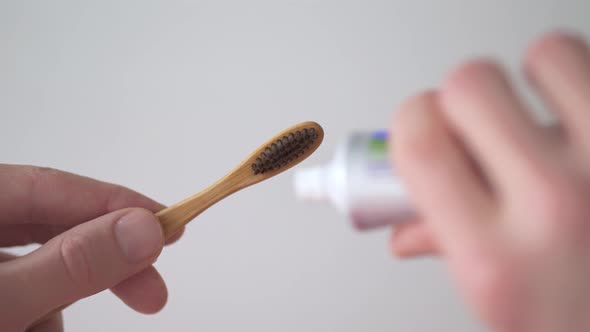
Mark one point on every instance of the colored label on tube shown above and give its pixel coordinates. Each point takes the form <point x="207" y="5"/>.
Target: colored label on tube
<point x="377" y="152"/>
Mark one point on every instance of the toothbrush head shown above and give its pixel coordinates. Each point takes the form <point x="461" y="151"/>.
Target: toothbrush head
<point x="285" y="150"/>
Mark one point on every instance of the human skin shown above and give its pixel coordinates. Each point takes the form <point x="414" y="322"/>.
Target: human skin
<point x="94" y="236"/>
<point x="503" y="200"/>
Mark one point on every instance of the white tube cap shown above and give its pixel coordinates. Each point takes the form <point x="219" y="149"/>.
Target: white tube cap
<point x="310" y="184"/>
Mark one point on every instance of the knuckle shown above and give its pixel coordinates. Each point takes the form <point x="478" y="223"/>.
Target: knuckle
<point x="424" y="100"/>
<point x="37" y="177"/>
<point x="468" y="76"/>
<point x="73" y="254"/>
<point x="417" y="129"/>
<point x="39" y="174"/>
<point x="559" y="203"/>
<point x="419" y="148"/>
<point x="550" y="47"/>
<point x="553" y="195"/>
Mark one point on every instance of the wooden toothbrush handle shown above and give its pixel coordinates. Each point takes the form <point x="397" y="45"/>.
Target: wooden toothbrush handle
<point x="173" y="218"/>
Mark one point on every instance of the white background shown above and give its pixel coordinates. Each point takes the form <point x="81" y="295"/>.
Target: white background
<point x="166" y="96"/>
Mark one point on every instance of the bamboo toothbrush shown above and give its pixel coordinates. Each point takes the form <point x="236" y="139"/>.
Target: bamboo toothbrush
<point x="283" y="151"/>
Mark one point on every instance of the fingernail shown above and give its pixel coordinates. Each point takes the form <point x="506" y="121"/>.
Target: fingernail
<point x="139" y="235"/>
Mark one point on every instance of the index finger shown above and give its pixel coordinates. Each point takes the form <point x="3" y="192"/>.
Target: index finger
<point x="447" y="190"/>
<point x="36" y="195"/>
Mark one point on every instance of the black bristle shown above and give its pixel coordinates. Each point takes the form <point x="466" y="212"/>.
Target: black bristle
<point x="284" y="150"/>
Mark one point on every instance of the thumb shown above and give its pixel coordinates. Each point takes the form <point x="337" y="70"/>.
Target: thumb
<point x="83" y="261"/>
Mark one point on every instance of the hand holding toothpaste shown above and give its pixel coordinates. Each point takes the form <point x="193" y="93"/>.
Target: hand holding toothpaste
<point x="503" y="200"/>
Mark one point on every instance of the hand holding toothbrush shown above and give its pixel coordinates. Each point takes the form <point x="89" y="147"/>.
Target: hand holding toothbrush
<point x="95" y="236"/>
